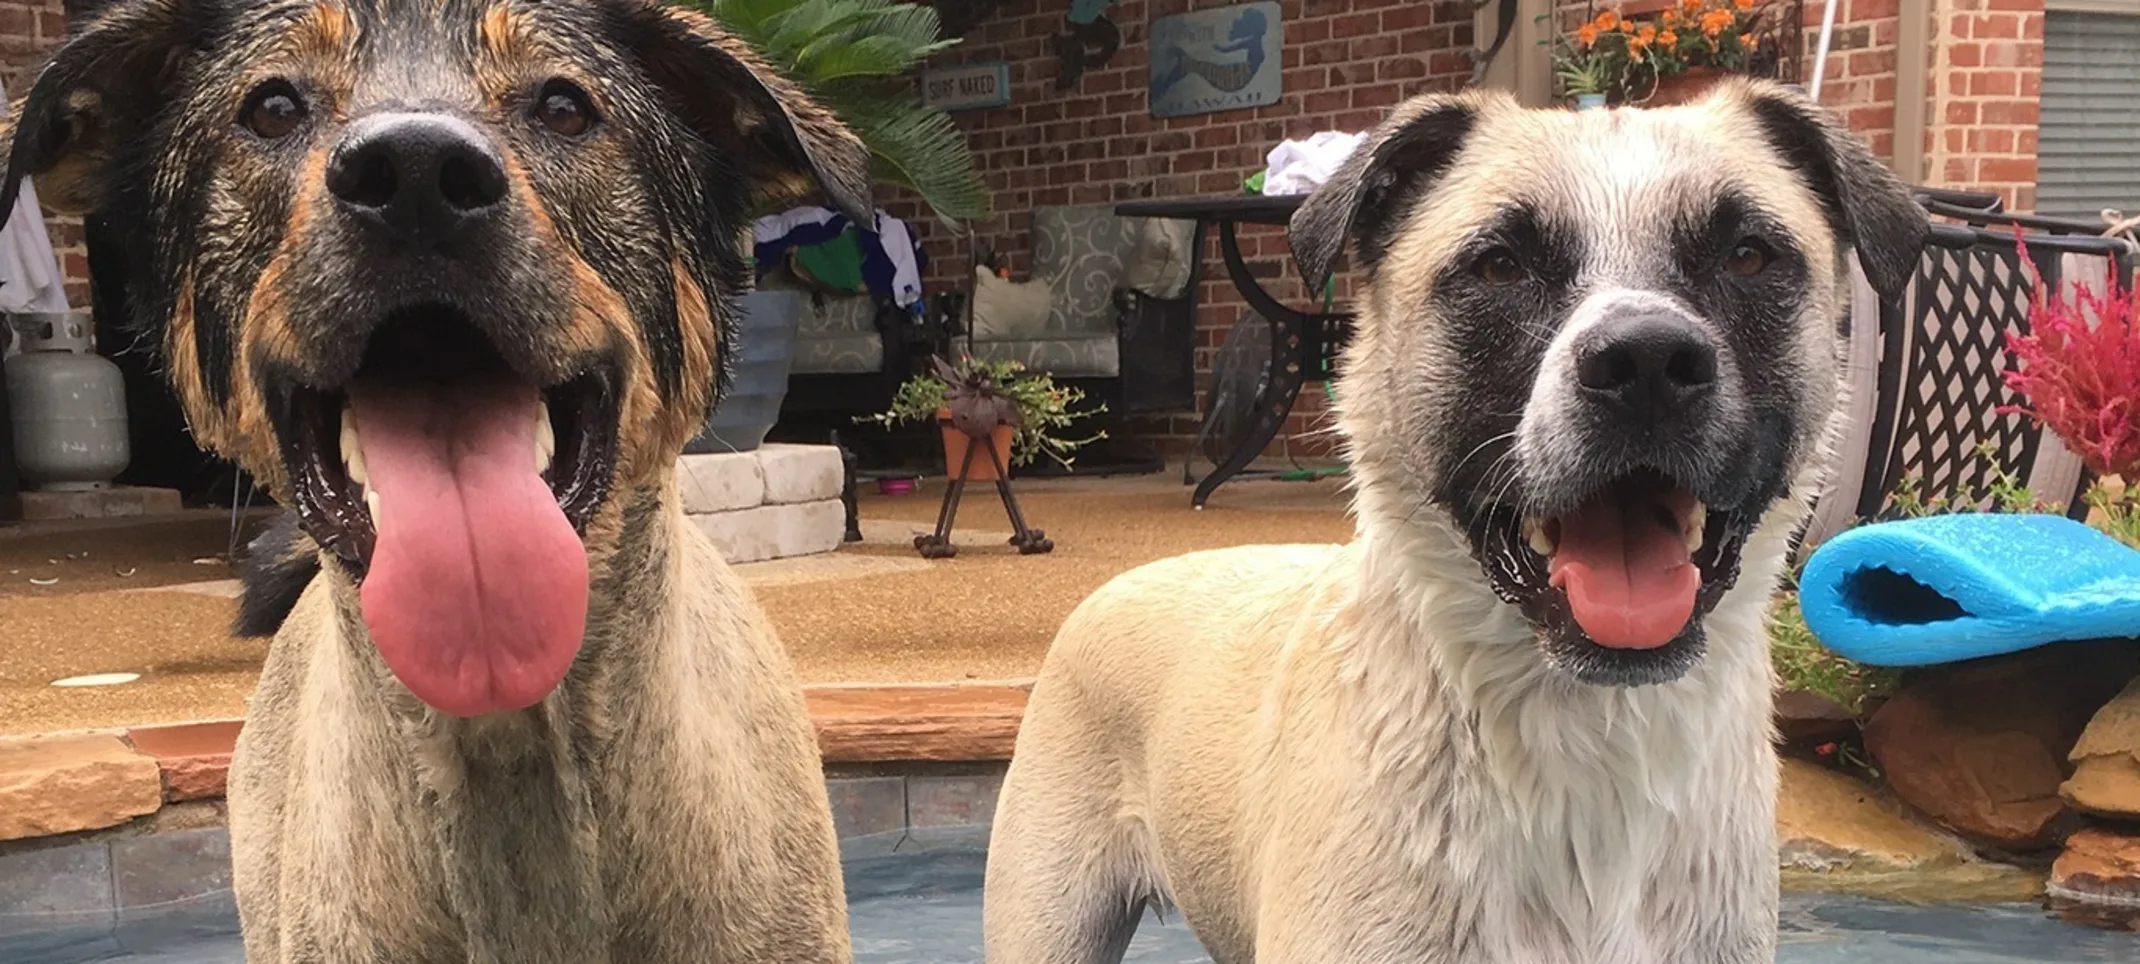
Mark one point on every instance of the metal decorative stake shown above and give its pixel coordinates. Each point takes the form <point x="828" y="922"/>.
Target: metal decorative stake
<point x="938" y="544"/>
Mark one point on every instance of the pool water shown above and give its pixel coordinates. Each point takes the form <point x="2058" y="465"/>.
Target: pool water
<point x="921" y="904"/>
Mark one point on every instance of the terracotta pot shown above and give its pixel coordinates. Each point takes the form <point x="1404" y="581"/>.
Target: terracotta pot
<point x="983" y="468"/>
<point x="1684" y="87"/>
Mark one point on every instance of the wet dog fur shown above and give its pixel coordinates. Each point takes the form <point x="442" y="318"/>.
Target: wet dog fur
<point x="1405" y="749"/>
<point x="665" y="802"/>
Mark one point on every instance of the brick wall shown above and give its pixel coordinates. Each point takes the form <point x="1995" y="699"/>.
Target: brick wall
<point x="1859" y="82"/>
<point x="29" y="29"/>
<point x="1345" y="63"/>
<point x="1987" y="83"/>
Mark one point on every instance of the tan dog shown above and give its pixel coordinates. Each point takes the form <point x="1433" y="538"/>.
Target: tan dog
<point x="1524" y="717"/>
<point x="452" y="279"/>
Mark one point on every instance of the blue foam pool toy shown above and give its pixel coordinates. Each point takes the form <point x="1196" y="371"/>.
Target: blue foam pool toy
<point x="1946" y="588"/>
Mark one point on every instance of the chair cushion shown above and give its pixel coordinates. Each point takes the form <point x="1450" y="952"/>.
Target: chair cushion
<point x="1080" y="357"/>
<point x="839" y="355"/>
<point x="1004" y="309"/>
<point x="1078" y="251"/>
<point x="837" y="334"/>
<point x="1158" y="260"/>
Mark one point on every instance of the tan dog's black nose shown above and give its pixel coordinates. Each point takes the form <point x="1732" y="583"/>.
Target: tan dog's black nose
<point x="420" y="178"/>
<point x="1647" y="366"/>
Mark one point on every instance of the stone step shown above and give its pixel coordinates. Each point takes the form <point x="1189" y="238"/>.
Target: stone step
<point x="773" y="474"/>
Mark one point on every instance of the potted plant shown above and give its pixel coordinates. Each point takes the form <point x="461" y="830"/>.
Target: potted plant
<point x="854" y="58"/>
<point x="1699" y="40"/>
<point x="2078" y="372"/>
<point x="1593" y="67"/>
<point x="972" y="400"/>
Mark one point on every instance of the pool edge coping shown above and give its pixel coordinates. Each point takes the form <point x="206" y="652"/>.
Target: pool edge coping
<point x="67" y="782"/>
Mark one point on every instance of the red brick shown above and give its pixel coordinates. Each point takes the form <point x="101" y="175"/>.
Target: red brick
<point x="2017" y="113"/>
<point x="2007" y="170"/>
<point x="1356" y="25"/>
<point x="1994" y="83"/>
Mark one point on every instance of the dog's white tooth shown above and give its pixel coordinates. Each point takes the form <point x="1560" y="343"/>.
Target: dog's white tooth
<point x="1534" y="532"/>
<point x="545" y="438"/>
<point x="371" y="502"/>
<point x="1697" y="526"/>
<point x="352" y="450"/>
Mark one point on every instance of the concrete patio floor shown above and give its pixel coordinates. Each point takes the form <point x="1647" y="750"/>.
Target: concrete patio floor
<point x="154" y="596"/>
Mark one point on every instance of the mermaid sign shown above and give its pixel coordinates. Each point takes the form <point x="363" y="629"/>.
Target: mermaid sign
<point x="1214" y="60"/>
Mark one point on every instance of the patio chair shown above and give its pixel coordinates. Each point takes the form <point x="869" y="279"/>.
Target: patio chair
<point x="1114" y="319"/>
<point x="1925" y="383"/>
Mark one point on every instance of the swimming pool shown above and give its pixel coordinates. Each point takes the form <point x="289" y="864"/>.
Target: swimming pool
<point x="918" y="901"/>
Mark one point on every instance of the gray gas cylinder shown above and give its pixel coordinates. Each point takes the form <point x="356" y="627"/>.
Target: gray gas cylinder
<point x="68" y="403"/>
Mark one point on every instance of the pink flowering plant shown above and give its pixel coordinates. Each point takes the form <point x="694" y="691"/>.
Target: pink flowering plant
<point x="2078" y="373"/>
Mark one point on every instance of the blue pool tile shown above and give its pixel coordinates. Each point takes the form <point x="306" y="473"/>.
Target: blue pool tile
<point x="952" y="801"/>
<point x="169" y="868"/>
<point x="862" y="806"/>
<point x="56" y="905"/>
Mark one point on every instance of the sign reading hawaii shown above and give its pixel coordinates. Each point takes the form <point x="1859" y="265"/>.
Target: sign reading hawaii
<point x="1214" y="60"/>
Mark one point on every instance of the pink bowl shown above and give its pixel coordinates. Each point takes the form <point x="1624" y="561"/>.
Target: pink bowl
<point x="895" y="486"/>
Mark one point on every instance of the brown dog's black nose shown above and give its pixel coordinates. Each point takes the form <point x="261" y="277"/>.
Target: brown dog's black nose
<point x="1647" y="365"/>
<point x="422" y="178"/>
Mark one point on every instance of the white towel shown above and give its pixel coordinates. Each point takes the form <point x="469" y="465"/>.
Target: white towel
<point x="1298" y="167"/>
<point x="30" y="276"/>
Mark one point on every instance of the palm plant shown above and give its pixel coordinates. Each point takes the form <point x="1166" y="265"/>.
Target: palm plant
<point x="853" y="57"/>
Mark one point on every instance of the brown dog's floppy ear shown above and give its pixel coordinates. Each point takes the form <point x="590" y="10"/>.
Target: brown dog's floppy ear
<point x="95" y="93"/>
<point x="1397" y="160"/>
<point x="1868" y="207"/>
<point x="733" y="99"/>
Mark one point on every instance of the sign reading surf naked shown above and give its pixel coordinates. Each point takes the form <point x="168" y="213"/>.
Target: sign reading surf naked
<point x="1215" y="60"/>
<point x="967" y="87"/>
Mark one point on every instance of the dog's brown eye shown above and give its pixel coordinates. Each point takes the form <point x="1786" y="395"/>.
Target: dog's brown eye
<point x="563" y="108"/>
<point x="1498" y="267"/>
<point x="274" y="111"/>
<point x="1748" y="258"/>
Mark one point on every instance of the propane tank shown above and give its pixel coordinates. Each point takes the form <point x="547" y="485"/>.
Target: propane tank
<point x="68" y="403"/>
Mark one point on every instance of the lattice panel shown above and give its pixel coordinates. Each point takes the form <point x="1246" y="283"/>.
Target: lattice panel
<point x="1952" y="387"/>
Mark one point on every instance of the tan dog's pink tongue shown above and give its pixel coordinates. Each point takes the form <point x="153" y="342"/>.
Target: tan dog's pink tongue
<point x="477" y="591"/>
<point x="1630" y="580"/>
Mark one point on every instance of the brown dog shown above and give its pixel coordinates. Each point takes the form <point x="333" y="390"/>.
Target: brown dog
<point x="451" y="278"/>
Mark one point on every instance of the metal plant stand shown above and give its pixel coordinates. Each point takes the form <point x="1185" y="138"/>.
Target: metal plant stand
<point x="938" y="545"/>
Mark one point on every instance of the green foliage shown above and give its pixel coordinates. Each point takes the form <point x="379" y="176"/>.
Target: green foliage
<point x="1042" y="408"/>
<point x="854" y="57"/>
<point x="2116" y="512"/>
<point x="2005" y="492"/>
<point x="1803" y="664"/>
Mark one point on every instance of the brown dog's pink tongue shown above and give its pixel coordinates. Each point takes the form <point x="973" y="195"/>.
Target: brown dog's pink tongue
<point x="1630" y="580"/>
<point x="477" y="591"/>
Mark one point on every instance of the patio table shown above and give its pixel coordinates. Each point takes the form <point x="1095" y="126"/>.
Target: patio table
<point x="1302" y="343"/>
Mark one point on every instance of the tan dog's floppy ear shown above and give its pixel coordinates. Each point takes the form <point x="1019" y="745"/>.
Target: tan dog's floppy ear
<point x="733" y="99"/>
<point x="1364" y="197"/>
<point x="1868" y="207"/>
<point x="94" y="93"/>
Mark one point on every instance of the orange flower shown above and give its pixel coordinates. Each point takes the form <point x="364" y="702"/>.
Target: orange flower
<point x="1669" y="38"/>
<point x="1608" y="20"/>
<point x="1690" y="7"/>
<point x="1671" y="17"/>
<point x="1627" y="26"/>
<point x="1647" y="35"/>
<point x="1586" y="34"/>
<point x="1715" y="21"/>
<point x="1743" y="4"/>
